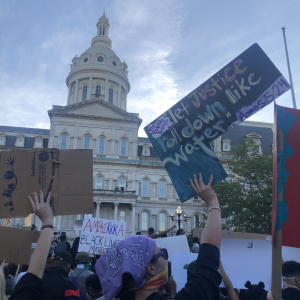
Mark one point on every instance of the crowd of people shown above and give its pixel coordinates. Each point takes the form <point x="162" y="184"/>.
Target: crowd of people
<point x="135" y="268"/>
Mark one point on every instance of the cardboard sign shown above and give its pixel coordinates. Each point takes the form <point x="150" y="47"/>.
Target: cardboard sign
<point x="182" y="135"/>
<point x="99" y="234"/>
<point x="233" y="235"/>
<point x="174" y="243"/>
<point x="67" y="174"/>
<point x="286" y="175"/>
<point x="17" y="244"/>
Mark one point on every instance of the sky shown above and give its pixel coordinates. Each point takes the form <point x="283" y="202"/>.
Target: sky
<point x="170" y="47"/>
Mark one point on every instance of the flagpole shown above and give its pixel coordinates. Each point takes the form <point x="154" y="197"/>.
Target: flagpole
<point x="289" y="67"/>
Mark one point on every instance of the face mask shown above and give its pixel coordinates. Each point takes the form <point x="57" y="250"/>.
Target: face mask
<point x="157" y="281"/>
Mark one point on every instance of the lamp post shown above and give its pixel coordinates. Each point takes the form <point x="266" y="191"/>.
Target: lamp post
<point x="179" y="213"/>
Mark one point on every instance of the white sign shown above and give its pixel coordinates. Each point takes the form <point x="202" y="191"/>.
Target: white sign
<point x="100" y="234"/>
<point x="174" y="243"/>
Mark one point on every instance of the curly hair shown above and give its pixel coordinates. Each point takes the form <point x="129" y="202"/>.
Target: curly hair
<point x="291" y="268"/>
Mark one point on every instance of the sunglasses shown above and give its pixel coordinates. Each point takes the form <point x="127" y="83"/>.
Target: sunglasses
<point x="163" y="253"/>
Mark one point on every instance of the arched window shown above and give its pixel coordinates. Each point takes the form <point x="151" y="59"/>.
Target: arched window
<point x="63" y="142"/>
<point x="122" y="184"/>
<point x="101" y="145"/>
<point x="84" y="93"/>
<point x="98" y="90"/>
<point x="122" y="216"/>
<point x="99" y="182"/>
<point x="86" y="143"/>
<point x="162" y="222"/>
<point x="103" y="30"/>
<point x="162" y="189"/>
<point x="144" y="221"/>
<point x="123" y="147"/>
<point x="196" y="221"/>
<point x="111" y="96"/>
<point x="145" y="188"/>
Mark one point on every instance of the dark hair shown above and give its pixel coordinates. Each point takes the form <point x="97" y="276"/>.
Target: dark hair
<point x="179" y="231"/>
<point x="138" y="233"/>
<point x="151" y="230"/>
<point x="127" y="285"/>
<point x="164" y="235"/>
<point x="291" y="268"/>
<point x="196" y="239"/>
<point x="6" y="272"/>
<point x="93" y="282"/>
<point x="63" y="238"/>
<point x="254" y="291"/>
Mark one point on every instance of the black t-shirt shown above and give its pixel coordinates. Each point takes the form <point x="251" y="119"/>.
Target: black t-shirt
<point x="30" y="287"/>
<point x="204" y="283"/>
<point x="291" y="294"/>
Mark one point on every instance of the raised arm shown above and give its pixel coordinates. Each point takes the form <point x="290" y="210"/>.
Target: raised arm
<point x="166" y="231"/>
<point x="43" y="210"/>
<point x="228" y="284"/>
<point x="212" y="230"/>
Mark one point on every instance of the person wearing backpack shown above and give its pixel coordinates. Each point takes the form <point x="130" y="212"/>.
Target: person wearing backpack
<point x="63" y="244"/>
<point x="79" y="274"/>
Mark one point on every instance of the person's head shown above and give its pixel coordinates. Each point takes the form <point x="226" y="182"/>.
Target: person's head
<point x="151" y="230"/>
<point x="82" y="258"/>
<point x="141" y="263"/>
<point x="291" y="273"/>
<point x="255" y="291"/>
<point x="138" y="233"/>
<point x="93" y="287"/>
<point x="63" y="237"/>
<point x="196" y="240"/>
<point x="164" y="235"/>
<point x="64" y="260"/>
<point x="180" y="232"/>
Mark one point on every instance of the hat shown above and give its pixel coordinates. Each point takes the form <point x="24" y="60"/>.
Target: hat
<point x="131" y="256"/>
<point x="82" y="257"/>
<point x="64" y="256"/>
<point x="190" y="268"/>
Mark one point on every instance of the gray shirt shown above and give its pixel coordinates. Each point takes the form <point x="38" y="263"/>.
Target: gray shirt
<point x="195" y="248"/>
<point x="80" y="275"/>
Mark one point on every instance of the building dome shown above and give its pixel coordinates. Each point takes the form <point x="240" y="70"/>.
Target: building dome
<point x="99" y="72"/>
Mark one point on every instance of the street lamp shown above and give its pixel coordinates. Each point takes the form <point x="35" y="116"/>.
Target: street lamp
<point x="179" y="213"/>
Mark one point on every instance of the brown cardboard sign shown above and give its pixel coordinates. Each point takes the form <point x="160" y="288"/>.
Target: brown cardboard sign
<point x="17" y="244"/>
<point x="233" y="235"/>
<point x="67" y="174"/>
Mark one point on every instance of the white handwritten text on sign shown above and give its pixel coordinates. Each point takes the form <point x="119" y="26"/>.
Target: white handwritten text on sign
<point x="99" y="234"/>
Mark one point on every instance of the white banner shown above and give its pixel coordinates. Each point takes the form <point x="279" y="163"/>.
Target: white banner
<point x="100" y="234"/>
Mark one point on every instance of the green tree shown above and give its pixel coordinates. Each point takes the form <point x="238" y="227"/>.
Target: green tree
<point x="246" y="201"/>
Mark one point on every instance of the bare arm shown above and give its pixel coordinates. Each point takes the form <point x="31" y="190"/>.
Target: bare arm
<point x="166" y="231"/>
<point x="44" y="212"/>
<point x="212" y="230"/>
<point x="228" y="284"/>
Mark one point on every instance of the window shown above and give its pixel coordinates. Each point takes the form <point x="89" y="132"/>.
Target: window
<point x="27" y="221"/>
<point x="98" y="90"/>
<point x="162" y="189"/>
<point x="38" y="144"/>
<point x="63" y="142"/>
<point x="145" y="188"/>
<point x="84" y="93"/>
<point x="99" y="182"/>
<point x="162" y="222"/>
<point x="7" y="221"/>
<point x="122" y="216"/>
<point x="86" y="143"/>
<point x="110" y="96"/>
<point x="122" y="183"/>
<point x="19" y="142"/>
<point x="101" y="145"/>
<point x="103" y="30"/>
<point x="123" y="147"/>
<point x="196" y="221"/>
<point x="144" y="221"/>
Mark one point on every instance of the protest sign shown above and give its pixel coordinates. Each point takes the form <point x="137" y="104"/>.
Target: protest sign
<point x="182" y="135"/>
<point x="242" y="259"/>
<point x="174" y="243"/>
<point x="67" y="174"/>
<point x="286" y="175"/>
<point x="99" y="234"/>
<point x="17" y="244"/>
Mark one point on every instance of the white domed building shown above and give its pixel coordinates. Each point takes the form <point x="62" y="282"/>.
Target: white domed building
<point x="96" y="118"/>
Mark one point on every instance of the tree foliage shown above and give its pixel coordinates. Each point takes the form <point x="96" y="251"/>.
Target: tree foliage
<point x="246" y="201"/>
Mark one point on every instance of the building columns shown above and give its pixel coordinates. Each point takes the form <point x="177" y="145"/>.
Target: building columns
<point x="75" y="143"/>
<point x="69" y="94"/>
<point x="133" y="218"/>
<point x="76" y="92"/>
<point x="98" y="209"/>
<point x="116" y="211"/>
<point x="89" y="96"/>
<point x="119" y="97"/>
<point x="106" y="90"/>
